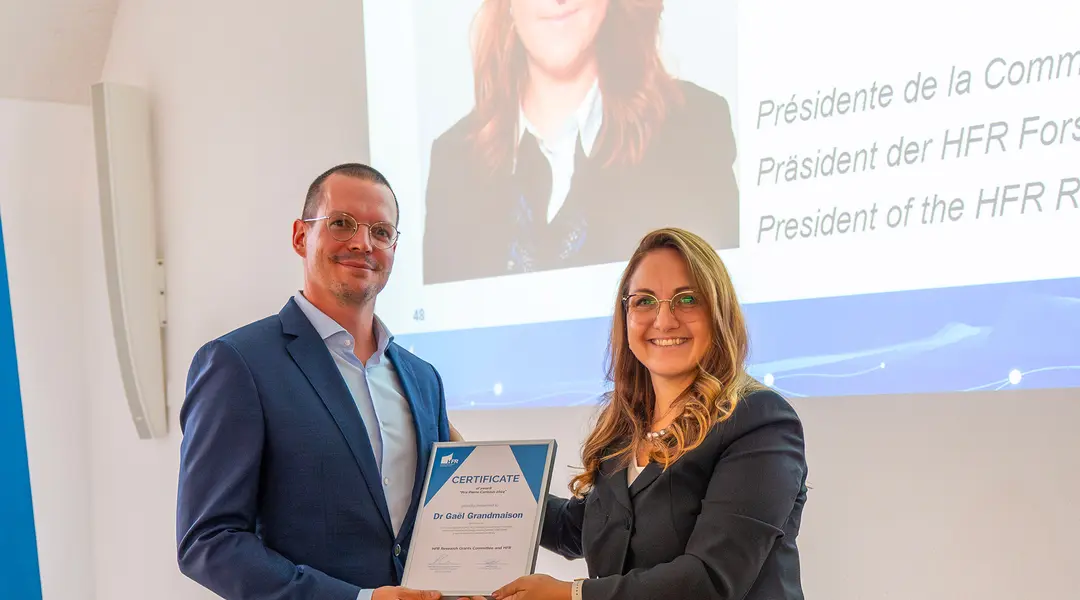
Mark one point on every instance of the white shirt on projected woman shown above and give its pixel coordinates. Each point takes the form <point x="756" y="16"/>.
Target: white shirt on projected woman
<point x="561" y="147"/>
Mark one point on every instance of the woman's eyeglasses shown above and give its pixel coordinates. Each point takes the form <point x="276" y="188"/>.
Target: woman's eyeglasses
<point x="685" y="306"/>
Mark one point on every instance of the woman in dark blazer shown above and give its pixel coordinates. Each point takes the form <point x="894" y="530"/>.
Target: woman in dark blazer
<point x="580" y="142"/>
<point x="694" y="477"/>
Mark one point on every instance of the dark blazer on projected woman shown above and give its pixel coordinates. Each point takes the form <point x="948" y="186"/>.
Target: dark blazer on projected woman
<point x="476" y="226"/>
<point x="719" y="524"/>
<point x="280" y="496"/>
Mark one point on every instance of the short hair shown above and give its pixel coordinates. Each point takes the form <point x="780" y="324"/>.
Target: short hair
<point x="355" y="170"/>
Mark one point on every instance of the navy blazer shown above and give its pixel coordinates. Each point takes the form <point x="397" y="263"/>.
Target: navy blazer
<point x="279" y="492"/>
<point x="719" y="524"/>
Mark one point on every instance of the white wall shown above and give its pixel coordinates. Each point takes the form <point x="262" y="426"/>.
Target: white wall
<point x="46" y="178"/>
<point x="929" y="497"/>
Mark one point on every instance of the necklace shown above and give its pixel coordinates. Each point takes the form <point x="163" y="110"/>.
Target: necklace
<point x="655" y="435"/>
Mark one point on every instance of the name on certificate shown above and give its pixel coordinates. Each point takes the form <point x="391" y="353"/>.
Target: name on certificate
<point x="472" y="515"/>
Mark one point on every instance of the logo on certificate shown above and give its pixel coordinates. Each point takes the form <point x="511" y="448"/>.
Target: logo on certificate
<point x="448" y="461"/>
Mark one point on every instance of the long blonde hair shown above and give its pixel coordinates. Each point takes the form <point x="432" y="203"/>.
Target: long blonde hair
<point x="721" y="379"/>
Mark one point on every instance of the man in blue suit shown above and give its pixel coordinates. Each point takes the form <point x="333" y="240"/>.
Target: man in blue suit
<point x="307" y="433"/>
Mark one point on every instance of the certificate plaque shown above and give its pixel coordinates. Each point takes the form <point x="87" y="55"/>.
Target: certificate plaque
<point x="482" y="509"/>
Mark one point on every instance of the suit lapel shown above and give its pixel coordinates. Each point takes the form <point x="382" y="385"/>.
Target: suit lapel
<point x="614" y="478"/>
<point x="645" y="478"/>
<point x="310" y="354"/>
<point x="411" y="389"/>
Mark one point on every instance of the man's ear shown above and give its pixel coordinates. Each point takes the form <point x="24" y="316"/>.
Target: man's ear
<point x="299" y="237"/>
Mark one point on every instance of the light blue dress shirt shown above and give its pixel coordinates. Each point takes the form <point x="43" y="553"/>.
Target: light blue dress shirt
<point x="379" y="398"/>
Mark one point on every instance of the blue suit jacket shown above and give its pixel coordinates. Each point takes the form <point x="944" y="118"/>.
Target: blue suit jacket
<point x="279" y="492"/>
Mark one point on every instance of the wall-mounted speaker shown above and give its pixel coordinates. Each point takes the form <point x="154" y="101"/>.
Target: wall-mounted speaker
<point x="133" y="268"/>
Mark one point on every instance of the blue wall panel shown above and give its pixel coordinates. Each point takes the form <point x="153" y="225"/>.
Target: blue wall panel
<point x="20" y="578"/>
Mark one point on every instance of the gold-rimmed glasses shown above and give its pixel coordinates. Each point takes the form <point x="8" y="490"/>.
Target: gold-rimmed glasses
<point x="342" y="227"/>
<point x="686" y="306"/>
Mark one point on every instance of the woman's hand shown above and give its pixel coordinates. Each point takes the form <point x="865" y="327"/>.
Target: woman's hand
<point x="534" y="587"/>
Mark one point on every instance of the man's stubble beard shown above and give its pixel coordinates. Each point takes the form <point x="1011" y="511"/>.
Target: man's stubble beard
<point x="351" y="296"/>
<point x="356" y="296"/>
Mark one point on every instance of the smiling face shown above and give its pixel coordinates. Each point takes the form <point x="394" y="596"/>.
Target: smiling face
<point x="667" y="325"/>
<point x="558" y="35"/>
<point x="352" y="272"/>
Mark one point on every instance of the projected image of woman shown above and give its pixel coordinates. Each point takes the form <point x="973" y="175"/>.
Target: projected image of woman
<point x="579" y="142"/>
<point x="694" y="476"/>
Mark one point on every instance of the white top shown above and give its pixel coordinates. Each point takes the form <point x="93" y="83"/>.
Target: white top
<point x="560" y="148"/>
<point x="632" y="472"/>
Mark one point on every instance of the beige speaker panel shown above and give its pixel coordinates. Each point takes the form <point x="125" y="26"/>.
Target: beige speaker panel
<point x="134" y="271"/>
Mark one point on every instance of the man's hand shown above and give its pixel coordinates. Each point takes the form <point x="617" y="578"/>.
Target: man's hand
<point x="400" y="593"/>
<point x="455" y="436"/>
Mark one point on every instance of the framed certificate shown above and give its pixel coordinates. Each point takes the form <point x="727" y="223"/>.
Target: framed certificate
<point x="481" y="513"/>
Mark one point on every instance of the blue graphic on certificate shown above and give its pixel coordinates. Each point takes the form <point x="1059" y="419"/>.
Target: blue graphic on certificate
<point x="479" y="525"/>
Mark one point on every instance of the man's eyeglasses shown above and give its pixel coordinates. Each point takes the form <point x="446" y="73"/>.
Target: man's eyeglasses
<point x="342" y="227"/>
<point x="685" y="306"/>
